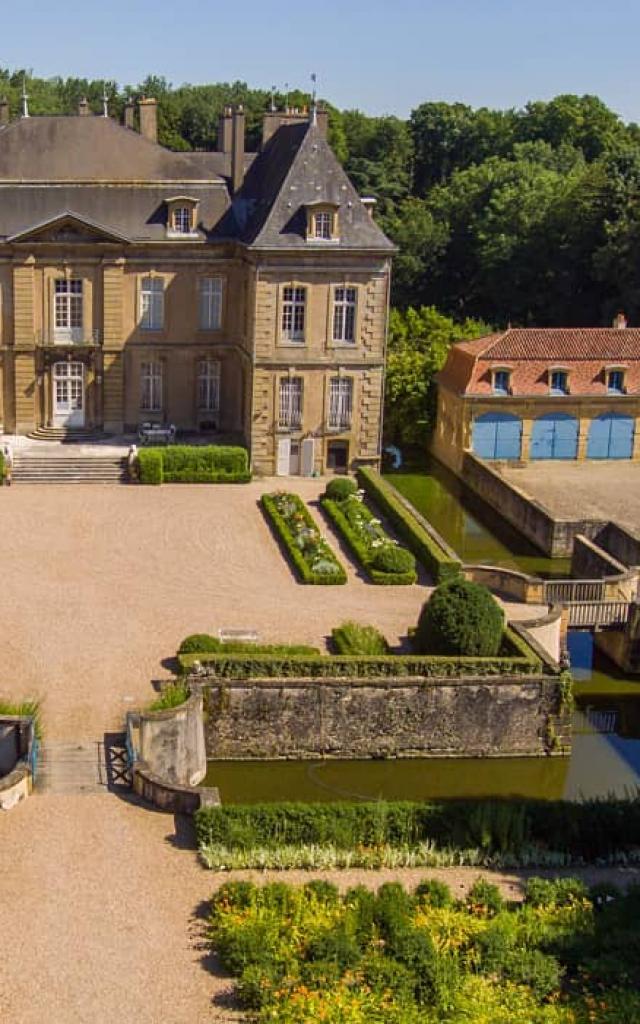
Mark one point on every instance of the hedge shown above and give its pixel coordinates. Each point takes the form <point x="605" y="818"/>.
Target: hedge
<point x="302" y="565"/>
<point x="203" y="643"/>
<point x="517" y="659"/>
<point x="194" y="464"/>
<point x="590" y="830"/>
<point x="426" y="549"/>
<point x="353" y="638"/>
<point x="362" y="551"/>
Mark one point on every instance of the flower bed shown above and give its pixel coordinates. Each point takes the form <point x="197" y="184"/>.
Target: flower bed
<point x="565" y="955"/>
<point x="312" y="557"/>
<point x="384" y="561"/>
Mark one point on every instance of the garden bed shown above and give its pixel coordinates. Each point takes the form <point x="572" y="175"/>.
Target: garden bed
<point x="383" y="561"/>
<point x="312" y="558"/>
<point x="566" y="955"/>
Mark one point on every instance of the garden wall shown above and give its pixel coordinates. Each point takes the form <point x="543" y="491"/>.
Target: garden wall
<point x="296" y="718"/>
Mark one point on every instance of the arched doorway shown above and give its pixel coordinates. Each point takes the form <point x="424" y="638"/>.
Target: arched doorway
<point x="497" y="435"/>
<point x="554" y="436"/>
<point x="611" y="436"/>
<point x="68" y="395"/>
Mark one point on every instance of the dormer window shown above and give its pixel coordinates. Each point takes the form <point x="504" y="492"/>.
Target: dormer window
<point x="501" y="380"/>
<point x="182" y="216"/>
<point x="182" y="220"/>
<point x="559" y="382"/>
<point x="322" y="222"/>
<point x="615" y="380"/>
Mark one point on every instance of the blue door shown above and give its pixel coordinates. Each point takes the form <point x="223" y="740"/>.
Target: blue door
<point x="497" y="435"/>
<point x="554" y="436"/>
<point x="611" y="437"/>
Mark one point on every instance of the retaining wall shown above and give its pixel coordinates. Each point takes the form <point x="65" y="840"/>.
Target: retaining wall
<point x="298" y="718"/>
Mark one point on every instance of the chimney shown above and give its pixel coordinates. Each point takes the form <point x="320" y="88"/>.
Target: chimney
<point x="148" y="113"/>
<point x="620" y="321"/>
<point x="369" y="203"/>
<point x="4" y="111"/>
<point x="130" y="115"/>
<point x="83" y="107"/>
<point x="237" y="149"/>
<point x="225" y="131"/>
<point x="274" y="119"/>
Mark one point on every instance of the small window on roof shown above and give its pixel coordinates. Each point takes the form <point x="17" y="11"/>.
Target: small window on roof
<point x="615" y="382"/>
<point x="559" y="384"/>
<point x="502" y="382"/>
<point x="322" y="222"/>
<point x="181" y="220"/>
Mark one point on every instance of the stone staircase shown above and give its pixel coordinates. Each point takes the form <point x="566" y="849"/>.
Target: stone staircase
<point x="31" y="466"/>
<point x="68" y="435"/>
<point x="77" y="767"/>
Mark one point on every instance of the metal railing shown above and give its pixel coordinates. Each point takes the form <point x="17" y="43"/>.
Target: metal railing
<point x="569" y="591"/>
<point x="598" y="613"/>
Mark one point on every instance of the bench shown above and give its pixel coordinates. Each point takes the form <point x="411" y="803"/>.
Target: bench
<point x="249" y="636"/>
<point x="155" y="433"/>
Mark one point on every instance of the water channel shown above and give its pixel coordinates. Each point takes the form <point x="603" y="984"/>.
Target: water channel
<point x="605" y="759"/>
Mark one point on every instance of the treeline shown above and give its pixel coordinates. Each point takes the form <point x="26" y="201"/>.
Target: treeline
<point x="529" y="216"/>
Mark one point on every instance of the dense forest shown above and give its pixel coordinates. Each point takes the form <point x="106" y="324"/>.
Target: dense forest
<point x="526" y="216"/>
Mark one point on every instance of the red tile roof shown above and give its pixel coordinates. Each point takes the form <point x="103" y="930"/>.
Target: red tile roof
<point x="558" y="343"/>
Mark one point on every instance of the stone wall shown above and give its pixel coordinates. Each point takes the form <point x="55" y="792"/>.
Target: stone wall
<point x="171" y="743"/>
<point x="589" y="561"/>
<point x="292" y="718"/>
<point x="620" y="543"/>
<point x="554" y="537"/>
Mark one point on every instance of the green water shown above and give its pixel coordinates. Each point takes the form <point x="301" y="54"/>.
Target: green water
<point x="474" y="531"/>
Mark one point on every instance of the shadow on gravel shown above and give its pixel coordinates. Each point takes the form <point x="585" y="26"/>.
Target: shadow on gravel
<point x="226" y="999"/>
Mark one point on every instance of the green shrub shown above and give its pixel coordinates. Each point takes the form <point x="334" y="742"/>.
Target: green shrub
<point x="460" y="618"/>
<point x="542" y="973"/>
<point x="296" y="528"/>
<point x="435" y="559"/>
<point x="194" y="464"/>
<point x="172" y="696"/>
<point x="485" y="897"/>
<point x="433" y="893"/>
<point x="352" y="638"/>
<point x="24" y="709"/>
<point x="394" y="559"/>
<point x="340" y="488"/>
<point x="199" y="642"/>
<point x="150" y="466"/>
<point x="365" y="538"/>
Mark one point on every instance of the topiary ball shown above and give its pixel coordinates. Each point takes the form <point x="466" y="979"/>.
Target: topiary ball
<point x="197" y="643"/>
<point x="393" y="559"/>
<point x="340" y="488"/>
<point x="460" y="618"/>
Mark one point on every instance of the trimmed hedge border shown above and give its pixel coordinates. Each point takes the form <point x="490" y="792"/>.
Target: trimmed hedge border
<point x="576" y="832"/>
<point x="426" y="549"/>
<point x="305" y="573"/>
<point x="522" y="661"/>
<point x="360" y="551"/>
<point x="194" y="464"/>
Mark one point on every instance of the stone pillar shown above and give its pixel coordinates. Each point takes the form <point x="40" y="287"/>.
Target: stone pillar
<point x="525" y="447"/>
<point x="113" y="392"/>
<point x="583" y="438"/>
<point x="24" y="345"/>
<point x="111" y="389"/>
<point x="237" y="151"/>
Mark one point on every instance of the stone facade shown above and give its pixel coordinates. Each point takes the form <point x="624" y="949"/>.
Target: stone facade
<point x="271" y="719"/>
<point x="92" y="240"/>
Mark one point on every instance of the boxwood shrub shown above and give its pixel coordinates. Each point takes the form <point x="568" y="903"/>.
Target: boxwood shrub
<point x="460" y="618"/>
<point x="366" y="540"/>
<point x="194" y="464"/>
<point x="340" y="488"/>
<point x="313" y="559"/>
<point x="435" y="560"/>
<point x="352" y="638"/>
<point x="202" y="644"/>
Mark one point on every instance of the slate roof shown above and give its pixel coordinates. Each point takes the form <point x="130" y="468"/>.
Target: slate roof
<point x="297" y="168"/>
<point x="89" y="149"/>
<point x="99" y="172"/>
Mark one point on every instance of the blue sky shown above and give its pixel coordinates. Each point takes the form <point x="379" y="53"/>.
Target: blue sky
<point x="383" y="56"/>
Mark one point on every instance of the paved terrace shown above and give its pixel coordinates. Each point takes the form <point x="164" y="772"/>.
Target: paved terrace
<point x="583" y="490"/>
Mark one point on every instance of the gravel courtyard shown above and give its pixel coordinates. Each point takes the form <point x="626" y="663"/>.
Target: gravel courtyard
<point x="583" y="490"/>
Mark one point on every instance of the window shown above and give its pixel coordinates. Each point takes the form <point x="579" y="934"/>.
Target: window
<point x="615" y="382"/>
<point x="209" y="385"/>
<point x="181" y="220"/>
<point x="340" y="403"/>
<point x="559" y="382"/>
<point x="152" y="303"/>
<point x="323" y="224"/>
<point x="344" y="315"/>
<point x="151" y="386"/>
<point x="502" y="382"/>
<point x="68" y="308"/>
<point x="290" y="410"/>
<point x="293" y="306"/>
<point x="210" y="303"/>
